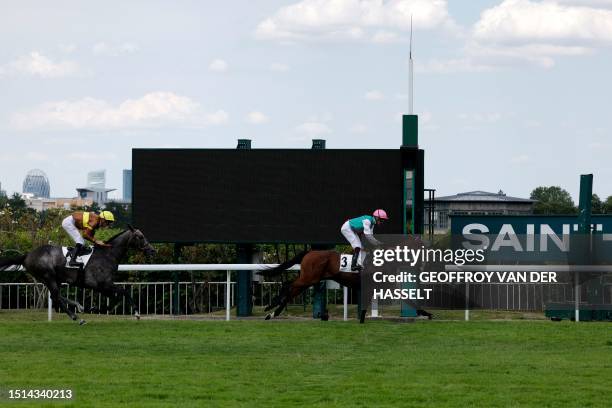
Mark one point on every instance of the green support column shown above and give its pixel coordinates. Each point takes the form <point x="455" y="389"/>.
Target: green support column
<point x="319" y="301"/>
<point x="244" y="290"/>
<point x="410" y="131"/>
<point x="244" y="253"/>
<point x="584" y="203"/>
<point x="319" y="298"/>
<point x="592" y="282"/>
<point x="176" y="257"/>
<point x="410" y="140"/>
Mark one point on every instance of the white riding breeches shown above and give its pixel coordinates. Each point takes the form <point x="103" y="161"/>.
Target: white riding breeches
<point x="354" y="240"/>
<point x="72" y="230"/>
<point x="350" y="235"/>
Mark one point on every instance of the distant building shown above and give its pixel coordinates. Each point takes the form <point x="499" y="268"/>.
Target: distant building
<point x="127" y="185"/>
<point x="2" y="192"/>
<point x="42" y="204"/>
<point x="37" y="184"/>
<point x="97" y="195"/>
<point x="96" y="179"/>
<point x="477" y="203"/>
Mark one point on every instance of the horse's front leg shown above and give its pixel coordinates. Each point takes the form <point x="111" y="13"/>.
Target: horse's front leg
<point x="362" y="315"/>
<point x="79" y="307"/>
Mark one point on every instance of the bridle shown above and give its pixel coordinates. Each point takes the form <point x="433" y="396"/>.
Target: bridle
<point x="144" y="241"/>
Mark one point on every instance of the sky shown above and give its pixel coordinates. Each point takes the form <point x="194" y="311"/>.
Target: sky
<point x="511" y="94"/>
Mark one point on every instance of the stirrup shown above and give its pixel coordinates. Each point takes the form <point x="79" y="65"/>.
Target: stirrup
<point x="357" y="268"/>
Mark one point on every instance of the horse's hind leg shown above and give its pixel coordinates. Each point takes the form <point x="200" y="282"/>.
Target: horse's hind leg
<point x="294" y="290"/>
<point x="277" y="300"/>
<point x="115" y="293"/>
<point x="57" y="299"/>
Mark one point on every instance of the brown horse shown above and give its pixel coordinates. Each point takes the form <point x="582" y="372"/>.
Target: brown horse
<point x="315" y="267"/>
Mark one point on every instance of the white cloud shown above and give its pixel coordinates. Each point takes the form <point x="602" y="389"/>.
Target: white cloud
<point x="588" y="3"/>
<point x="218" y="65"/>
<point x="536" y="54"/>
<point x="547" y="22"/>
<point x="155" y="109"/>
<point x="37" y="65"/>
<point x="114" y="50"/>
<point x="519" y="32"/>
<point x="279" y="67"/>
<point x="369" y="20"/>
<point x="538" y="32"/>
<point x="374" y="95"/>
<point x="313" y="128"/>
<point x="257" y="118"/>
<point x="358" y="128"/>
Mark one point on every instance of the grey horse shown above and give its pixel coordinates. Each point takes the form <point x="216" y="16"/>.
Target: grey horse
<point x="48" y="265"/>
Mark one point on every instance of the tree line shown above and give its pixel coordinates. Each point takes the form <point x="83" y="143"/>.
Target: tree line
<point x="556" y="201"/>
<point x="22" y="229"/>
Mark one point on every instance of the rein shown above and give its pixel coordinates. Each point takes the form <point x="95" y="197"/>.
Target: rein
<point x="109" y="241"/>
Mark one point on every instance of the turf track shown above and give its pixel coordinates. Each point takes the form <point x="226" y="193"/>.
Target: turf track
<point x="112" y="362"/>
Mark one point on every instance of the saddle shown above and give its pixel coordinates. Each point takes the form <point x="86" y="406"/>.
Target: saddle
<point x="84" y="250"/>
<point x="83" y="256"/>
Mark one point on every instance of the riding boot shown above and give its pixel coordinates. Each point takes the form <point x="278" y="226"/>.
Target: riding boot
<point x="73" y="255"/>
<point x="354" y="264"/>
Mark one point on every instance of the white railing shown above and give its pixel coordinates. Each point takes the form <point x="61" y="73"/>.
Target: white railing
<point x="204" y="267"/>
<point x="207" y="267"/>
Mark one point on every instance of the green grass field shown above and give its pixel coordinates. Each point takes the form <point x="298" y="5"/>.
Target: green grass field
<point x="118" y="362"/>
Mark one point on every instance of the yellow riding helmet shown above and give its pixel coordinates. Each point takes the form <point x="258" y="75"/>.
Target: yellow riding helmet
<point x="107" y="215"/>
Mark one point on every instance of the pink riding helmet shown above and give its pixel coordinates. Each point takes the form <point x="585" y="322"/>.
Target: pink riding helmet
<point x="382" y="214"/>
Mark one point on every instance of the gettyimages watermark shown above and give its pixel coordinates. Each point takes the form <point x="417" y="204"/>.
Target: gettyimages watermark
<point x="488" y="269"/>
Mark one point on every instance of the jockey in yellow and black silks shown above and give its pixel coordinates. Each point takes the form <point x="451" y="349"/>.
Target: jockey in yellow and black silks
<point x="85" y="223"/>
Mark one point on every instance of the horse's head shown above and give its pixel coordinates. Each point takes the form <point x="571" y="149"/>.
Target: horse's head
<point x="140" y="242"/>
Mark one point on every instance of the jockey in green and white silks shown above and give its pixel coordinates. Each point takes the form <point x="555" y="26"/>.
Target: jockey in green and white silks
<point x="354" y="228"/>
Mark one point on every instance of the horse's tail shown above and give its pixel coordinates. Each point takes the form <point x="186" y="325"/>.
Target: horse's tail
<point x="284" y="266"/>
<point x="11" y="261"/>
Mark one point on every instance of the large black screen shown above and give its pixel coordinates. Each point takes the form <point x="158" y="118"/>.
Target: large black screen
<point x="262" y="195"/>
